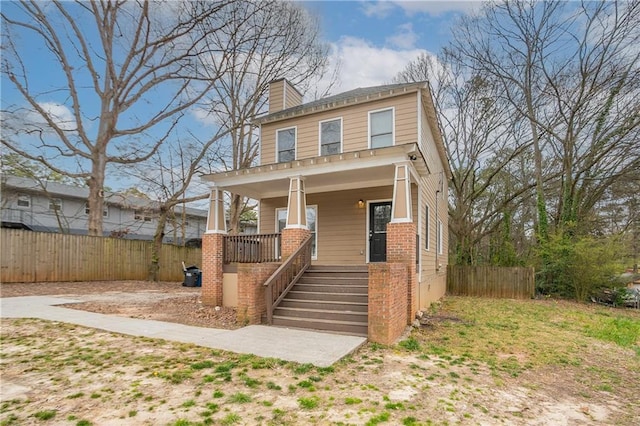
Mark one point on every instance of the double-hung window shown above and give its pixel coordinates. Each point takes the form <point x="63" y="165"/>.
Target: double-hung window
<point x="24" y="201"/>
<point x="381" y="128"/>
<point x="312" y="214"/>
<point x="55" y="204"/>
<point x="439" y="237"/>
<point x="331" y="136"/>
<point x="286" y="145"/>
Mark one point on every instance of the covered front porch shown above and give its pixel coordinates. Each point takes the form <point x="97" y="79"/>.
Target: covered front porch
<point x="346" y="211"/>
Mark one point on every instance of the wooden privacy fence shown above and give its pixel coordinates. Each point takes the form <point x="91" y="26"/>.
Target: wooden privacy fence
<point x="29" y="256"/>
<point x="491" y="281"/>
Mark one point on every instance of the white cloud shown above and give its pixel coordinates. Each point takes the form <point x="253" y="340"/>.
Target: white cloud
<point x="438" y="7"/>
<point x="58" y="113"/>
<point x="382" y="9"/>
<point x="405" y="38"/>
<point x="379" y="9"/>
<point x="362" y="64"/>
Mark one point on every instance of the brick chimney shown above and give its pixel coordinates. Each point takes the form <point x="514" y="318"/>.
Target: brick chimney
<point x="283" y="95"/>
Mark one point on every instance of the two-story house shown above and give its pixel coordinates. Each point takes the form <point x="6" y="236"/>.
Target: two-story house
<point x="363" y="175"/>
<point x="56" y="207"/>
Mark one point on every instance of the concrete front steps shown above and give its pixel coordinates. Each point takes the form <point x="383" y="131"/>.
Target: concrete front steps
<point x="327" y="298"/>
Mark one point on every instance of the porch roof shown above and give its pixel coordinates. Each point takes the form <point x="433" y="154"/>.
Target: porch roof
<point x="349" y="170"/>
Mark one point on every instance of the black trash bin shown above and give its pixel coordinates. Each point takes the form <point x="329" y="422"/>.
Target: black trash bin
<point x="192" y="277"/>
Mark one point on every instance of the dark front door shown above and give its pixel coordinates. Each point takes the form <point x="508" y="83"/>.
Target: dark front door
<point x="379" y="216"/>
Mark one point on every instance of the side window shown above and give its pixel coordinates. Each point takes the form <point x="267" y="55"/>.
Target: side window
<point x="381" y="128"/>
<point x="427" y="229"/>
<point x="331" y="137"/>
<point x="105" y="210"/>
<point x="23" y="201"/>
<point x="55" y="204"/>
<point x="286" y="145"/>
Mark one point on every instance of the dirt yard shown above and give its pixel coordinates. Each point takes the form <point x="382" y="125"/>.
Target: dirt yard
<point x="473" y="362"/>
<point x="163" y="301"/>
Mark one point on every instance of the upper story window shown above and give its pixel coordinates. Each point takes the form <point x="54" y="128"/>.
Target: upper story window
<point x="381" y="128"/>
<point x="286" y="145"/>
<point x="23" y="201"/>
<point x="105" y="210"/>
<point x="331" y="137"/>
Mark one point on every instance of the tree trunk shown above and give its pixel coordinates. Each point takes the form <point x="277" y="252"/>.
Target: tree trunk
<point x="235" y="211"/>
<point x="156" y="250"/>
<point x="96" y="195"/>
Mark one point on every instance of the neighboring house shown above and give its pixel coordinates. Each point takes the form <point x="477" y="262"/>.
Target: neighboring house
<point x="55" y="207"/>
<point x="365" y="174"/>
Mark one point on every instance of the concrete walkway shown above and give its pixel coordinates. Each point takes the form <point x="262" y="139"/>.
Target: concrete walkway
<point x="320" y="349"/>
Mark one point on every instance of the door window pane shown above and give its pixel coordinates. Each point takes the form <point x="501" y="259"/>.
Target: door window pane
<point x="382" y="216"/>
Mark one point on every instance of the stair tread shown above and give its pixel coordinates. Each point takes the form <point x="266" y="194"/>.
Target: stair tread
<point x="320" y="310"/>
<point x="320" y="320"/>
<point x="326" y="292"/>
<point x="333" y="302"/>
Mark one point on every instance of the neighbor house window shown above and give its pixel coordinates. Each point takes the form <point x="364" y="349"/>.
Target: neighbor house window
<point x="24" y="201"/>
<point x="286" y="145"/>
<point x="426" y="227"/>
<point x="439" y="237"/>
<point x="381" y="128"/>
<point x="331" y="137"/>
<point x="140" y="215"/>
<point x="55" y="204"/>
<point x="105" y="210"/>
<point x="312" y="214"/>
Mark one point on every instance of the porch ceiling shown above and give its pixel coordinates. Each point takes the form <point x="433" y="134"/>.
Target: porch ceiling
<point x="361" y="169"/>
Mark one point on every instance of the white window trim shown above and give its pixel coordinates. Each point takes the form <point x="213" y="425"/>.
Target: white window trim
<point x="440" y="237"/>
<point x="23" y="197"/>
<point x="427" y="228"/>
<point x="320" y="133"/>
<point x="314" y="206"/>
<point x="393" y="124"/>
<point x="295" y="142"/>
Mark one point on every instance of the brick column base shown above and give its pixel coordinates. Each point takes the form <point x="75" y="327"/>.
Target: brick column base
<point x="291" y="239"/>
<point x="401" y="248"/>
<point x="387" y="302"/>
<point x="212" y="263"/>
<point x="251" y="303"/>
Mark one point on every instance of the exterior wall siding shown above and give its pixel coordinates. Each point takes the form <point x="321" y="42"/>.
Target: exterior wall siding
<point x="355" y="122"/>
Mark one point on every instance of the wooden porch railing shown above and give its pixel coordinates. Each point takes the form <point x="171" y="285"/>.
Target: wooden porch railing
<point x="283" y="279"/>
<point x="256" y="248"/>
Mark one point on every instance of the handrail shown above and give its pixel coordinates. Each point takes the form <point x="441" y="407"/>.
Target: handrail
<point x="283" y="279"/>
<point x="252" y="248"/>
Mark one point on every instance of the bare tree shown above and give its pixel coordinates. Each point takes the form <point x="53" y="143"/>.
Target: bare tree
<point x="119" y="75"/>
<point x="266" y="40"/>
<point x="571" y="70"/>
<point x="479" y="137"/>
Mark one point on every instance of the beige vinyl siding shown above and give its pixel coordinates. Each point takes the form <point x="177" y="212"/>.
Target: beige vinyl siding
<point x="355" y="131"/>
<point x="341" y="225"/>
<point x="276" y="96"/>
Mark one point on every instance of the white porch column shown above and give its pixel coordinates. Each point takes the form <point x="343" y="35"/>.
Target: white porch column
<point x="216" y="223"/>
<point x="401" y="206"/>
<point x="297" y="204"/>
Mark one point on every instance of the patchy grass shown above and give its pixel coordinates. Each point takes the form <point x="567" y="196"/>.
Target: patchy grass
<point x="479" y="361"/>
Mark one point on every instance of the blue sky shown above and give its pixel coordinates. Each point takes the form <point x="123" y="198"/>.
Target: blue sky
<point x="374" y="40"/>
<point x="371" y="40"/>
